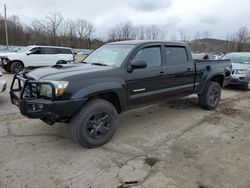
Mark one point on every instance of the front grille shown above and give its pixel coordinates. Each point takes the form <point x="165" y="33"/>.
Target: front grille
<point x="30" y="89"/>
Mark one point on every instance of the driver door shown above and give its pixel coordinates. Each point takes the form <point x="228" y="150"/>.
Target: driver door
<point x="146" y="85"/>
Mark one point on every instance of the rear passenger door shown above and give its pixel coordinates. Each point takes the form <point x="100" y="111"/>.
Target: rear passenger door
<point x="146" y="85"/>
<point x="180" y="71"/>
<point x="49" y="56"/>
<point x="65" y="54"/>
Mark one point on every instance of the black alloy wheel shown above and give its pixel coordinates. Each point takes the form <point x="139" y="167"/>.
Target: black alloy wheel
<point x="98" y="125"/>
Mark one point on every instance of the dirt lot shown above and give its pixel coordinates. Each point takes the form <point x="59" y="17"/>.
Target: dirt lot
<point x="167" y="145"/>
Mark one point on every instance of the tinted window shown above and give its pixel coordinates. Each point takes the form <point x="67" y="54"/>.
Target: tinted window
<point x="152" y="55"/>
<point x="176" y="55"/>
<point x="35" y="51"/>
<point x="49" y="51"/>
<point x="64" y="51"/>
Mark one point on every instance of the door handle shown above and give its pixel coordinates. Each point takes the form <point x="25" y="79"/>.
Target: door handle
<point x="188" y="69"/>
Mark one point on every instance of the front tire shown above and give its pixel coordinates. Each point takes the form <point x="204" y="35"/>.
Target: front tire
<point x="210" y="97"/>
<point x="16" y="67"/>
<point x="95" y="124"/>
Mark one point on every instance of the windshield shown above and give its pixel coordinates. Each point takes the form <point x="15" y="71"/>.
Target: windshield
<point x="243" y="58"/>
<point x="111" y="55"/>
<point x="24" y="49"/>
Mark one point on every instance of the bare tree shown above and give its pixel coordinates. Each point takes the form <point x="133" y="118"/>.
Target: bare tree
<point x="184" y="36"/>
<point x="124" y="31"/>
<point x="90" y="30"/>
<point x="53" y="22"/>
<point x="152" y="32"/>
<point x="72" y="32"/>
<point x="141" y="32"/>
<point x="173" y="37"/>
<point x="81" y="27"/>
<point x="242" y="37"/>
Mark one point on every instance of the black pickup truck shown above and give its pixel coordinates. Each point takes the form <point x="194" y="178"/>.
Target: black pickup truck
<point x="114" y="78"/>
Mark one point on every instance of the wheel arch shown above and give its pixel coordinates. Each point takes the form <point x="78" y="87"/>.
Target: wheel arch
<point x="215" y="77"/>
<point x="112" y="92"/>
<point x="12" y="61"/>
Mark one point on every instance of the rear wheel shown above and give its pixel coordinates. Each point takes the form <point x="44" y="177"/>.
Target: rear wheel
<point x="95" y="124"/>
<point x="16" y="67"/>
<point x="61" y="62"/>
<point x="210" y="97"/>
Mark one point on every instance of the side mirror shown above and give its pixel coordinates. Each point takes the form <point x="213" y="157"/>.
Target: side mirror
<point x="28" y="53"/>
<point x="137" y="64"/>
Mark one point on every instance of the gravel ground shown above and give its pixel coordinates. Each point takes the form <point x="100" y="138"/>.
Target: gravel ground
<point x="167" y="145"/>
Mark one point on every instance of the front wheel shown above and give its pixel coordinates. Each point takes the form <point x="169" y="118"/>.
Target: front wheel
<point x="95" y="124"/>
<point x="210" y="97"/>
<point x="16" y="67"/>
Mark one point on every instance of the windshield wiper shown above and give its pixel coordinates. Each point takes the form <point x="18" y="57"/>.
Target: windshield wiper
<point x="99" y="64"/>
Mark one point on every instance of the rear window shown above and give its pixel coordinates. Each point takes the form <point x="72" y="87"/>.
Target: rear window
<point x="64" y="51"/>
<point x="176" y="55"/>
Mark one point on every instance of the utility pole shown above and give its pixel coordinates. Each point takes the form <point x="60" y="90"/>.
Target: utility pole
<point x="6" y="27"/>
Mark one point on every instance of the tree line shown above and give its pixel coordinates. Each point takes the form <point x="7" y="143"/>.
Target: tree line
<point x="53" y="30"/>
<point x="81" y="33"/>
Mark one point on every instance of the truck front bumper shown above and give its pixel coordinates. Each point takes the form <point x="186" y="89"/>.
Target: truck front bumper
<point x="27" y="97"/>
<point x="46" y="109"/>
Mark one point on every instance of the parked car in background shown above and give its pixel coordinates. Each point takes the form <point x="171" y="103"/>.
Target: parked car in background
<point x="216" y="55"/>
<point x="34" y="56"/>
<point x="200" y="55"/>
<point x="3" y="83"/>
<point x="114" y="78"/>
<point x="241" y="68"/>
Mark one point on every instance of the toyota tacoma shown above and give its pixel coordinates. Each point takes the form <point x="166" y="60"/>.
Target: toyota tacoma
<point x="114" y="78"/>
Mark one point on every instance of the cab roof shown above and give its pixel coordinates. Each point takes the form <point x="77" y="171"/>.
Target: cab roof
<point x="141" y="42"/>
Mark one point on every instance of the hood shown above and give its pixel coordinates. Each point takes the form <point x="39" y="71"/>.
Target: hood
<point x="240" y="66"/>
<point x="7" y="54"/>
<point x="60" y="72"/>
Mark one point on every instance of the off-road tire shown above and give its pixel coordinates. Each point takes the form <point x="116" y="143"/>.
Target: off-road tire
<point x="79" y="123"/>
<point x="210" y="97"/>
<point x="16" y="67"/>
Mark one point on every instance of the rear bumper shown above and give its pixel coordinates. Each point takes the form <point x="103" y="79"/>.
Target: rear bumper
<point x="46" y="109"/>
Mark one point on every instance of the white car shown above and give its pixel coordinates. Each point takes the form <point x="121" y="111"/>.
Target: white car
<point x="35" y="56"/>
<point x="3" y="83"/>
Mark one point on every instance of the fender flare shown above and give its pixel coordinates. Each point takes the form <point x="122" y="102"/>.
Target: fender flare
<point x="102" y="88"/>
<point x="206" y="78"/>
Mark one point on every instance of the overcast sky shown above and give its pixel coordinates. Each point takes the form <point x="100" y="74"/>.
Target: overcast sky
<point x="220" y="17"/>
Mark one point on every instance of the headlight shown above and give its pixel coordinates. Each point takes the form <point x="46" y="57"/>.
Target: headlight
<point x="241" y="71"/>
<point x="60" y="86"/>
